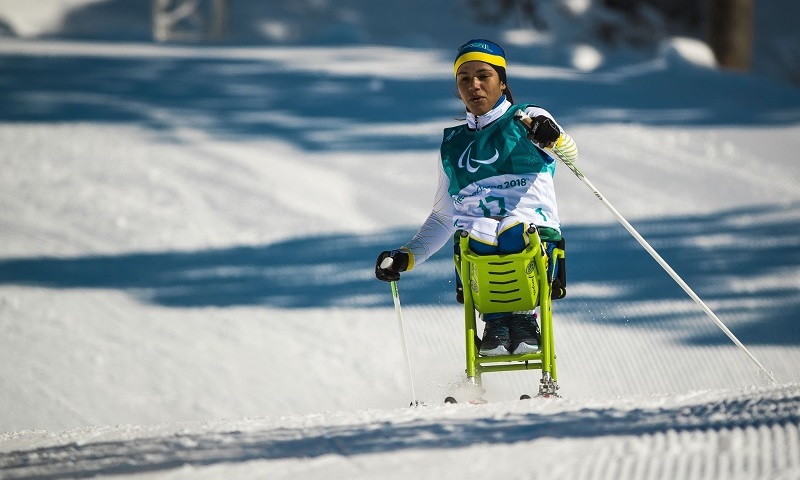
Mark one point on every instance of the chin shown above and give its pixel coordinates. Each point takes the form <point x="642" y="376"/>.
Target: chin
<point x="478" y="110"/>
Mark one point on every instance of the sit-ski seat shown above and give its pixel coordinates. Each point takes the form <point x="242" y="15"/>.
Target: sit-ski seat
<point x="508" y="283"/>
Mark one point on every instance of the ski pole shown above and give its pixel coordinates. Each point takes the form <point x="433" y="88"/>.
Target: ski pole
<point x="528" y="121"/>
<point x="386" y="263"/>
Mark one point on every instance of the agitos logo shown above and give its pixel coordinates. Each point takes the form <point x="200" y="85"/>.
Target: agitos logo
<point x="466" y="160"/>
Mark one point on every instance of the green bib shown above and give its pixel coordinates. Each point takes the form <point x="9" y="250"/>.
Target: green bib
<point x="501" y="148"/>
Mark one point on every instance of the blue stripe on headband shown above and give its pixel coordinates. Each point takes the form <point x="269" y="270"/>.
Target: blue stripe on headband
<point x="481" y="50"/>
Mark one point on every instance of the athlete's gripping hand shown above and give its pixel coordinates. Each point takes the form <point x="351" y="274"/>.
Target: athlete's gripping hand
<point x="543" y="131"/>
<point x="390" y="264"/>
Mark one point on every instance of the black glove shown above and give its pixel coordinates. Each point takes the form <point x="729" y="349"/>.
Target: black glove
<point x="544" y="131"/>
<point x="392" y="272"/>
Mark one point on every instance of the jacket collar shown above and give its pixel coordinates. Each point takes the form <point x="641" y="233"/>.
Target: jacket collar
<point x="475" y="122"/>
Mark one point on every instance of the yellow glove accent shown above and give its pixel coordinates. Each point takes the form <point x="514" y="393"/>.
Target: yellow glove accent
<point x="410" y="258"/>
<point x="566" y="146"/>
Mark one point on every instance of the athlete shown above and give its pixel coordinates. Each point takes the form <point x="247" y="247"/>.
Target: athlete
<point x="495" y="179"/>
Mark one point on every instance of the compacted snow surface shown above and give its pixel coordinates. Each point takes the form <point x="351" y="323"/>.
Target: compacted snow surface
<point x="187" y="238"/>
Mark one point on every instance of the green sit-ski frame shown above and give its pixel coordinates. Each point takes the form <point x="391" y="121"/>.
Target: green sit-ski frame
<point x="508" y="283"/>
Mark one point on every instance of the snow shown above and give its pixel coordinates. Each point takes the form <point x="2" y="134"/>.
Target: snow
<point x="46" y="16"/>
<point x="187" y="238"/>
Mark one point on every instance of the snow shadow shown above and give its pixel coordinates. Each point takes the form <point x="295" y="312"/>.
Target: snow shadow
<point x="318" y="107"/>
<point x="736" y="267"/>
<point x="727" y="262"/>
<point x="229" y="98"/>
<point x="170" y="451"/>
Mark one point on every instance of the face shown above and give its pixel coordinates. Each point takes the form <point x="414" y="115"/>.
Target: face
<point x="479" y="86"/>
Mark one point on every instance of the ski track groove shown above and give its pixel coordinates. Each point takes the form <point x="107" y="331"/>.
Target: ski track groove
<point x="749" y="437"/>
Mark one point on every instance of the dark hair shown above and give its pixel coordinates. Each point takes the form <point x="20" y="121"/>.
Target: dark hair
<point x="501" y="72"/>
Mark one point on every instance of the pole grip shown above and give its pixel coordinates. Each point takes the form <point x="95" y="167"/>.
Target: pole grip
<point x="387" y="262"/>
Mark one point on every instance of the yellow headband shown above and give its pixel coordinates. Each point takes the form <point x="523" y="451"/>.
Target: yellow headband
<point x="495" y="60"/>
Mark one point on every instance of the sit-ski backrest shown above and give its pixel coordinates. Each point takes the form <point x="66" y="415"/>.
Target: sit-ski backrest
<point x="502" y="283"/>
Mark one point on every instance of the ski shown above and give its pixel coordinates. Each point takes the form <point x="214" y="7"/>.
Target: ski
<point x="481" y="401"/>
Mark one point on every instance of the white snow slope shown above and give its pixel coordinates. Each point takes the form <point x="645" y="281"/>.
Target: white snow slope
<point x="187" y="238"/>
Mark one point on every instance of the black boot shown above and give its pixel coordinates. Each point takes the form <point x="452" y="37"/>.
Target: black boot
<point x="496" y="338"/>
<point x="525" y="336"/>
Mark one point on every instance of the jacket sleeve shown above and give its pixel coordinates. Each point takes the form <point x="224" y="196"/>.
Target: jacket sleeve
<point x="438" y="227"/>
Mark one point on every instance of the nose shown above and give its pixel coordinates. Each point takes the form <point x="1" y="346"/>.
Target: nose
<point x="475" y="84"/>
